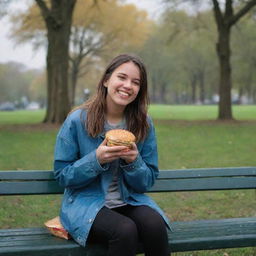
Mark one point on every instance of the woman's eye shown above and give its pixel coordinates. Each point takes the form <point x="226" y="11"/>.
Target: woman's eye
<point x="121" y="77"/>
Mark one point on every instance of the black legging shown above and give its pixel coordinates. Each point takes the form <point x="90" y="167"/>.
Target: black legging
<point x="121" y="228"/>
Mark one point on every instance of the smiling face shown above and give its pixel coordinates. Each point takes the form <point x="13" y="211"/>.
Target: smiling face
<point x="123" y="85"/>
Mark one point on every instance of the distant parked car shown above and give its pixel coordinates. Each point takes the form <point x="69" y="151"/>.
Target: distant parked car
<point x="33" y="106"/>
<point x="7" y="106"/>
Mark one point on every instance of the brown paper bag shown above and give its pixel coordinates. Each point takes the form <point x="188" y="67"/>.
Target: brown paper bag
<point x="55" y="227"/>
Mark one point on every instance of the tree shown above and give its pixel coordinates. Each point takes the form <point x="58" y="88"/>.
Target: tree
<point x="58" y="20"/>
<point x="161" y="66"/>
<point x="225" y="20"/>
<point x="180" y="57"/>
<point x="226" y="17"/>
<point x="57" y="16"/>
<point x="37" y="89"/>
<point x="15" y="81"/>
<point x="196" y="54"/>
<point x="106" y="27"/>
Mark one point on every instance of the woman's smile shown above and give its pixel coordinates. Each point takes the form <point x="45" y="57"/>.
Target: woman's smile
<point x="123" y="94"/>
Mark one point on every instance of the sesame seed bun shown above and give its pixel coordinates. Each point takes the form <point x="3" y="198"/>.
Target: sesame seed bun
<point x="120" y="137"/>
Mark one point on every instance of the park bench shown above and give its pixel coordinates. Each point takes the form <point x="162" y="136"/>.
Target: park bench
<point x="186" y="235"/>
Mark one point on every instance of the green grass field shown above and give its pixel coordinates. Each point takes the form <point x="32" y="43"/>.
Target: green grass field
<point x="198" y="112"/>
<point x="163" y="112"/>
<point x="184" y="141"/>
<point x="21" y="117"/>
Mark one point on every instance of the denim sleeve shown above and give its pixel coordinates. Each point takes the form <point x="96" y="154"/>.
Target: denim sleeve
<point x="70" y="170"/>
<point x="141" y="174"/>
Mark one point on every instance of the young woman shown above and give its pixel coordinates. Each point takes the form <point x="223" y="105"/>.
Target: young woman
<point x="104" y="198"/>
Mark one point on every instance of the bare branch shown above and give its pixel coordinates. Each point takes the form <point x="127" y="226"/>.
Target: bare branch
<point x="44" y="9"/>
<point x="242" y="12"/>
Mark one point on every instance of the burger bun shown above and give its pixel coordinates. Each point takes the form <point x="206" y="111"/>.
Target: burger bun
<point x="120" y="137"/>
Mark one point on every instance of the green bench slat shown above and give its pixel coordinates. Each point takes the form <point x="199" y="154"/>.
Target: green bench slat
<point x="213" y="234"/>
<point x="191" y="235"/>
<point x="27" y="175"/>
<point x="42" y="182"/>
<point x="193" y="184"/>
<point x="52" y="187"/>
<point x="188" y="173"/>
<point x="210" y="172"/>
<point x="39" y="241"/>
<point x="30" y="188"/>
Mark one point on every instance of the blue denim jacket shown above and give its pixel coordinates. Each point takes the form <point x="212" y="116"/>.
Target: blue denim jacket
<point x="86" y="182"/>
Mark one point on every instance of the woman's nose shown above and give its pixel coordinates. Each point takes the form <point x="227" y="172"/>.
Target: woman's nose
<point x="128" y="84"/>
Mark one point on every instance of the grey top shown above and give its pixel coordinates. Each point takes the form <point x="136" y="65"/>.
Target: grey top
<point x="113" y="198"/>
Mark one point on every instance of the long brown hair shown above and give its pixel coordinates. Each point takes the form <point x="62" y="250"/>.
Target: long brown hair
<point x="135" y="113"/>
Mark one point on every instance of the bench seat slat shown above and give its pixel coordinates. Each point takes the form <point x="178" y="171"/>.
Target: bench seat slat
<point x="46" y="250"/>
<point x="38" y="241"/>
<point x="213" y="234"/>
<point x="16" y="232"/>
<point x="191" y="235"/>
<point x="208" y="243"/>
<point x="221" y="226"/>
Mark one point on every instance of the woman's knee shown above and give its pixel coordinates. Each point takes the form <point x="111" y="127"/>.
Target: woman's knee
<point x="127" y="231"/>
<point x="153" y="223"/>
<point x="157" y="224"/>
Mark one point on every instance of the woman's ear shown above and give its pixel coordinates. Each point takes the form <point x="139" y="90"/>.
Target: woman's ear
<point x="105" y="83"/>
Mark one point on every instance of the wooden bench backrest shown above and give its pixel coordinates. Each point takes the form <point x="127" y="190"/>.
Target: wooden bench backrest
<point x="42" y="182"/>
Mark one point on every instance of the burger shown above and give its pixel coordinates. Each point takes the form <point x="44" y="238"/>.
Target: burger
<point x="120" y="137"/>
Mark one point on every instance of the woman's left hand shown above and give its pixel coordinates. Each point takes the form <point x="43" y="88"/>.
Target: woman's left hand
<point x="130" y="155"/>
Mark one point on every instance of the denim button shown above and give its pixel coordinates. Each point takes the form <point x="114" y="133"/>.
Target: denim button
<point x="70" y="200"/>
<point x="79" y="239"/>
<point x="90" y="220"/>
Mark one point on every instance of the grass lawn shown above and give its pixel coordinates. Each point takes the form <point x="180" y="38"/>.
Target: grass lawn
<point x="192" y="143"/>
<point x="196" y="145"/>
<point x="198" y="112"/>
<point x="163" y="112"/>
<point x="21" y="117"/>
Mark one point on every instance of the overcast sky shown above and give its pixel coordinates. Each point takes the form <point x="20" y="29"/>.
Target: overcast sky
<point x="36" y="59"/>
<point x="26" y="55"/>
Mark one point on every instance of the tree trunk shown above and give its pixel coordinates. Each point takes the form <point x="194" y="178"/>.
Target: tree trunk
<point x="74" y="77"/>
<point x="254" y="96"/>
<point x="249" y="83"/>
<point x="57" y="75"/>
<point x="163" y="92"/>
<point x="225" y="84"/>
<point x="201" y="86"/>
<point x="154" y="89"/>
<point x="193" y="81"/>
<point x="58" y="20"/>
<point x="240" y="95"/>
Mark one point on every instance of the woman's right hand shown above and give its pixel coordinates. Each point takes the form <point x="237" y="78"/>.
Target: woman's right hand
<point x="106" y="154"/>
